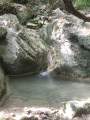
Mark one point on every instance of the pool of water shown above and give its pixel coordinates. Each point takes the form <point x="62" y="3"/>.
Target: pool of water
<point x="45" y="91"/>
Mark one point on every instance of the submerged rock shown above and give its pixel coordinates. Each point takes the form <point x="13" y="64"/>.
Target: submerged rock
<point x="23" y="51"/>
<point x="70" y="39"/>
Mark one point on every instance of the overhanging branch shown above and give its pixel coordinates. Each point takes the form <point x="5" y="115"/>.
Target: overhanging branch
<point x="70" y="8"/>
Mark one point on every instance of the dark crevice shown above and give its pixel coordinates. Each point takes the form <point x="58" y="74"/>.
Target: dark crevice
<point x="83" y="47"/>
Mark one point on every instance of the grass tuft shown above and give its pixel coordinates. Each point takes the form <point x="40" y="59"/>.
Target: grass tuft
<point x="82" y="3"/>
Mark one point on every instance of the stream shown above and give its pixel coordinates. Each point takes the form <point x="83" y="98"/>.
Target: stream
<point x="46" y="91"/>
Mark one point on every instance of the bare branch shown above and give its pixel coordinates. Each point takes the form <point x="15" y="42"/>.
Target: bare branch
<point x="70" y="8"/>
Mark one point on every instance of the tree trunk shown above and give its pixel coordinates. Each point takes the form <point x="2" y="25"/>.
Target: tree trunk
<point x="70" y="8"/>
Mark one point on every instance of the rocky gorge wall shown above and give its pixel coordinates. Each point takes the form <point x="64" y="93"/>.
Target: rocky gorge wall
<point x="24" y="50"/>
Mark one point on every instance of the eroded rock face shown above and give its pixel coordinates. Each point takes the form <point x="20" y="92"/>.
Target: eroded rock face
<point x="22" y="51"/>
<point x="3" y="86"/>
<point x="70" y="39"/>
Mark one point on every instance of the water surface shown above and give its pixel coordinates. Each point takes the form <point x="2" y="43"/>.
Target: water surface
<point x="45" y="91"/>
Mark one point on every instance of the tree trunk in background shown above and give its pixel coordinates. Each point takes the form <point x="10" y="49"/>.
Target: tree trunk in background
<point x="70" y="8"/>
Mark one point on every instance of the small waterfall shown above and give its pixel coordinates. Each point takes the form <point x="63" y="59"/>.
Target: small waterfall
<point x="43" y="74"/>
<point x="50" y="61"/>
<point x="50" y="66"/>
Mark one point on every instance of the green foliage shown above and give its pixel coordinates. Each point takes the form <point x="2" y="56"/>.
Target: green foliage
<point x="39" y="22"/>
<point x="82" y="3"/>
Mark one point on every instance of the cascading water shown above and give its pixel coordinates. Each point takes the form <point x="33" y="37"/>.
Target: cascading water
<point x="50" y="66"/>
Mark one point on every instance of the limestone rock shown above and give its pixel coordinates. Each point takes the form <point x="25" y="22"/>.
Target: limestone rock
<point x="58" y="13"/>
<point x="70" y="39"/>
<point x="23" y="50"/>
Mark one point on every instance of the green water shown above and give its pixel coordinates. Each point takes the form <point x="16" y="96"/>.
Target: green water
<point x="45" y="91"/>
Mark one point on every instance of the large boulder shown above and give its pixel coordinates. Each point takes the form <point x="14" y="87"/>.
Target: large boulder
<point x="4" y="89"/>
<point x="70" y="39"/>
<point x="22" y="51"/>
